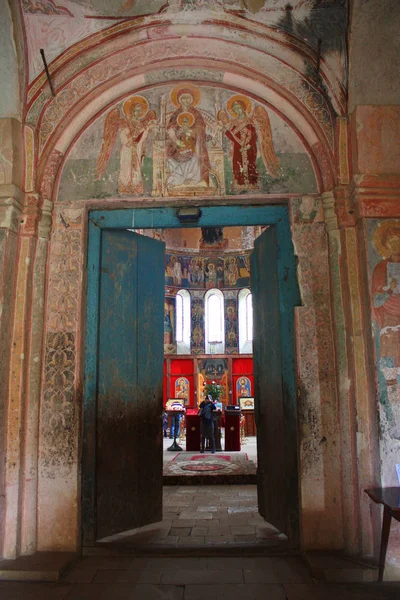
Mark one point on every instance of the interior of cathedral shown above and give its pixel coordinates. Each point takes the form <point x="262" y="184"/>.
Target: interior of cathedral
<point x="200" y="199"/>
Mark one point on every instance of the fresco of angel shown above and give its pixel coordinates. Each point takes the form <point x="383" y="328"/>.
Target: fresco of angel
<point x="133" y="124"/>
<point x="247" y="128"/>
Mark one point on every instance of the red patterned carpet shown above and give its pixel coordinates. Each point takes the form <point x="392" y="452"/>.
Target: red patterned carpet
<point x="190" y="468"/>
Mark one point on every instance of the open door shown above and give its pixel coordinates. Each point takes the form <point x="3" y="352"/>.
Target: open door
<point x="130" y="380"/>
<point x="276" y="444"/>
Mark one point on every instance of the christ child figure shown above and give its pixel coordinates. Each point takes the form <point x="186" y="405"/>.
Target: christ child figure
<point x="186" y="136"/>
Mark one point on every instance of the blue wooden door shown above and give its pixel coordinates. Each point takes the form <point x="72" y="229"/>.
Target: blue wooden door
<point x="277" y="451"/>
<point x="130" y="378"/>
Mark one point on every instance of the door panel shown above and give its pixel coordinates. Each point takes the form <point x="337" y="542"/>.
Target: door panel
<point x="130" y="377"/>
<point x="268" y="386"/>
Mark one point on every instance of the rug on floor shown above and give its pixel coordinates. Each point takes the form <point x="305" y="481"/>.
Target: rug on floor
<point x="188" y="466"/>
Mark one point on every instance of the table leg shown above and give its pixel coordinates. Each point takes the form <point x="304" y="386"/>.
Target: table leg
<point x="175" y="447"/>
<point x="387" y="518"/>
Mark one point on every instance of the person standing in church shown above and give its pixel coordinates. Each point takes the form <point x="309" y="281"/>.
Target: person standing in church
<point x="206" y="411"/>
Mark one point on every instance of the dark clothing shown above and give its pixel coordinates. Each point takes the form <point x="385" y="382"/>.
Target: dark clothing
<point x="207" y="424"/>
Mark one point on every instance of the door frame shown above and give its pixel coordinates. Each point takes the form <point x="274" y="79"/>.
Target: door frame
<point x="166" y="218"/>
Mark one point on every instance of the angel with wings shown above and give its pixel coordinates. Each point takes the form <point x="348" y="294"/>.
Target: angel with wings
<point x="133" y="127"/>
<point x="244" y="130"/>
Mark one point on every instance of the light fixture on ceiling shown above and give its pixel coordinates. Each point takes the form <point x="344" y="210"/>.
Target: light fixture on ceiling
<point x="189" y="214"/>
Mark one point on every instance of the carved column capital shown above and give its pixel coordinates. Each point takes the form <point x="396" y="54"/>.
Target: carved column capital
<point x="11" y="206"/>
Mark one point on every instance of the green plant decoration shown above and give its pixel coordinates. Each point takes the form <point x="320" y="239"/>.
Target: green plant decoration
<point x="214" y="390"/>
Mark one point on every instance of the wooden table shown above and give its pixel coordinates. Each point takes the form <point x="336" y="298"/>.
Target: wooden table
<point x="390" y="498"/>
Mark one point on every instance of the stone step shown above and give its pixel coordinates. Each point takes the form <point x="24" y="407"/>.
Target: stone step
<point x="336" y="567"/>
<point x="41" y="566"/>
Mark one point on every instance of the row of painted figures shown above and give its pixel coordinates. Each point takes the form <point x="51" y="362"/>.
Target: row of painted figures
<point x="201" y="272"/>
<point x="182" y="132"/>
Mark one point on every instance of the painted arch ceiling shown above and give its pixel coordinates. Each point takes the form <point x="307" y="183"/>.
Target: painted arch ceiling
<point x="297" y="48"/>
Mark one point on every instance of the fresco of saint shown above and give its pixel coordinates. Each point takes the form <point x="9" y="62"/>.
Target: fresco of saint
<point x="245" y="130"/>
<point x="386" y="308"/>
<point x="187" y="158"/>
<point x="133" y="127"/>
<point x="231" y="271"/>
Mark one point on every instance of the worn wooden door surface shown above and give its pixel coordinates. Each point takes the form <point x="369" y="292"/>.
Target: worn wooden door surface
<point x="268" y="385"/>
<point x="130" y="378"/>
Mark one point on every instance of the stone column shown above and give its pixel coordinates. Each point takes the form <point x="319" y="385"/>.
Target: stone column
<point x="357" y="435"/>
<point x="34" y="358"/>
<point x="318" y="420"/>
<point x="11" y="201"/>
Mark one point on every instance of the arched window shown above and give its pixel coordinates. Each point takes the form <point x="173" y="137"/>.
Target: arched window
<point x="182" y="322"/>
<point x="245" y="322"/>
<point x="214" y="322"/>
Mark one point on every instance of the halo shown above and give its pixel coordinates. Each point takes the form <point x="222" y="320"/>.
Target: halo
<point x="182" y="115"/>
<point x="239" y="98"/>
<point x="128" y="105"/>
<point x="380" y="235"/>
<point x="181" y="89"/>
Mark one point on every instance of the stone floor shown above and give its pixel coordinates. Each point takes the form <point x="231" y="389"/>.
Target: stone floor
<point x="198" y="516"/>
<point x="219" y="578"/>
<point x="202" y="524"/>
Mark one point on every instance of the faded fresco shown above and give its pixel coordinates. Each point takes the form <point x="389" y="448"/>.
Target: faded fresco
<point x="186" y="140"/>
<point x="207" y="272"/>
<point x="231" y="326"/>
<point x="384" y="263"/>
<point x="59" y="24"/>
<point x="169" y="326"/>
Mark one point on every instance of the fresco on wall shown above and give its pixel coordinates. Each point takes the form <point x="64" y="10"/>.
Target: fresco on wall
<point x="186" y="140"/>
<point x="56" y="25"/>
<point x="384" y="261"/>
<point x="194" y="271"/>
<point x="231" y="326"/>
<point x="169" y="326"/>
<point x="197" y="329"/>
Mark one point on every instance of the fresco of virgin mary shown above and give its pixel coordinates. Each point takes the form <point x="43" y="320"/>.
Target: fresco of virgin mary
<point x="187" y="164"/>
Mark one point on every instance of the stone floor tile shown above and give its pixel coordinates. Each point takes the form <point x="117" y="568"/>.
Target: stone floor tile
<point x="80" y="575"/>
<point x="246" y="538"/>
<point x="220" y="539"/>
<point x="192" y="541"/>
<point x="235" y="592"/>
<point x="199" y="531"/>
<point x="210" y="508"/>
<point x="105" y="562"/>
<point x="131" y="576"/>
<point x="180" y="531"/>
<point x="11" y="590"/>
<point x="349" y="591"/>
<point x="188" y="514"/>
<point x="184" y="523"/>
<point x="208" y="577"/>
<point x="244" y="530"/>
<point x="279" y="570"/>
<point x="167" y="563"/>
<point x="216" y="531"/>
<point x="125" y="591"/>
